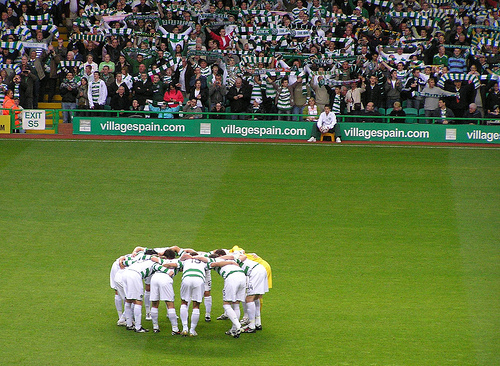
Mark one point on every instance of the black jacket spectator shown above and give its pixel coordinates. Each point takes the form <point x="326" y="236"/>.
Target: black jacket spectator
<point x="68" y="91"/>
<point x="143" y="90"/>
<point x="373" y="94"/>
<point x="397" y="113"/>
<point x="239" y="97"/>
<point x="120" y="102"/>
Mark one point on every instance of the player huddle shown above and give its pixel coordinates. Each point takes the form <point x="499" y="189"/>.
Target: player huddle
<point x="146" y="276"/>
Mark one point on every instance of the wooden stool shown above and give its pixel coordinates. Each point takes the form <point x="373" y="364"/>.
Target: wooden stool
<point x="331" y="134"/>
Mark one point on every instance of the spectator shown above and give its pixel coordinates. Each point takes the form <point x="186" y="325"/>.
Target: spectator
<point x="445" y="114"/>
<point x="373" y="93"/>
<point x="136" y="107"/>
<point x="143" y="89"/>
<point x="371" y="114"/>
<point x="113" y="88"/>
<point x="82" y="99"/>
<point x="431" y="94"/>
<point x="397" y="112"/>
<point x="311" y="111"/>
<point x="239" y="98"/>
<point x="393" y="89"/>
<point x="353" y="95"/>
<point x="284" y="99"/>
<point x="473" y="114"/>
<point x="217" y="91"/>
<point x="457" y="63"/>
<point x="321" y="92"/>
<point x="107" y="62"/>
<point x="191" y="107"/>
<point x="493" y="98"/>
<point x="494" y="113"/>
<point x="462" y="97"/>
<point x="414" y="84"/>
<point x="164" y="109"/>
<point x="173" y="96"/>
<point x="69" y="92"/>
<point x="300" y="93"/>
<point x="157" y="88"/>
<point x="200" y="95"/>
<point x="120" y="101"/>
<point x="217" y="111"/>
<point x="97" y="92"/>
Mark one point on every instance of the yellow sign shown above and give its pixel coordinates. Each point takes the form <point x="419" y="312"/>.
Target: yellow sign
<point x="4" y="124"/>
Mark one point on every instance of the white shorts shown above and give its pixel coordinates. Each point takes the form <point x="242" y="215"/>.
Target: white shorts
<point x="118" y="280"/>
<point x="132" y="283"/>
<point x="114" y="268"/>
<point x="208" y="280"/>
<point x="234" y="287"/>
<point x="192" y="289"/>
<point x="162" y="287"/>
<point x="257" y="281"/>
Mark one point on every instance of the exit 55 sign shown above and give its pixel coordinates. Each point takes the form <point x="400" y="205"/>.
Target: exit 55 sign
<point x="33" y="119"/>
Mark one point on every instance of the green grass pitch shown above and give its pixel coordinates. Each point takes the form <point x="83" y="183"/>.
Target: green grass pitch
<point x="381" y="255"/>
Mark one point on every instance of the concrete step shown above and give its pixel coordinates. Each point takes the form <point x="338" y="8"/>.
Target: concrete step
<point x="47" y="105"/>
<point x="57" y="98"/>
<point x="41" y="132"/>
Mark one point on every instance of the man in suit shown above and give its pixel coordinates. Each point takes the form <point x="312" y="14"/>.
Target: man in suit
<point x="239" y="96"/>
<point x="444" y="113"/>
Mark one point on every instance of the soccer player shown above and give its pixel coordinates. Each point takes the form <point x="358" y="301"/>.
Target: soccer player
<point x="147" y="285"/>
<point x="257" y="286"/>
<point x="115" y="268"/>
<point x="233" y="292"/>
<point x="134" y="290"/>
<point x="254" y="257"/>
<point x="162" y="290"/>
<point x="115" y="280"/>
<point x="192" y="286"/>
<point x="207" y="295"/>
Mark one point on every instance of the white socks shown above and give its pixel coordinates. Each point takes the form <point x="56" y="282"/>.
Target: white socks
<point x="147" y="301"/>
<point x="195" y="317"/>
<point x="128" y="314"/>
<point x="251" y="314"/>
<point x="257" y="312"/>
<point x="232" y="316"/>
<point x="184" y="317"/>
<point x="208" y="305"/>
<point x="154" y="317"/>
<point x="245" y="310"/>
<point x="138" y="316"/>
<point x="237" y="311"/>
<point x="172" y="316"/>
<point x="118" y="305"/>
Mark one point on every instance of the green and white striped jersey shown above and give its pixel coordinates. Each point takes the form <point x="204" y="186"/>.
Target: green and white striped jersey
<point x="146" y="268"/>
<point x="167" y="270"/>
<point x="228" y="270"/>
<point x="193" y="268"/>
<point x="139" y="257"/>
<point x="247" y="265"/>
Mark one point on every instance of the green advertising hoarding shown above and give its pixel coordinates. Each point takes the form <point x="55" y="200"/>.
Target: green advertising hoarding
<point x="415" y="132"/>
<point x="393" y="132"/>
<point x="192" y="128"/>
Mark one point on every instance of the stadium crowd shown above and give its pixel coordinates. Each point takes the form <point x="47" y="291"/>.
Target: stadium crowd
<point x="290" y="57"/>
<point x="146" y="277"/>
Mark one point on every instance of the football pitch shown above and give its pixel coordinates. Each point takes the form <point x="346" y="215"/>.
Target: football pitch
<point x="381" y="255"/>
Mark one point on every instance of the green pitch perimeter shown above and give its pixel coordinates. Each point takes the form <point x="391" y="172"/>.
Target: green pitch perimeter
<point x="381" y="255"/>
